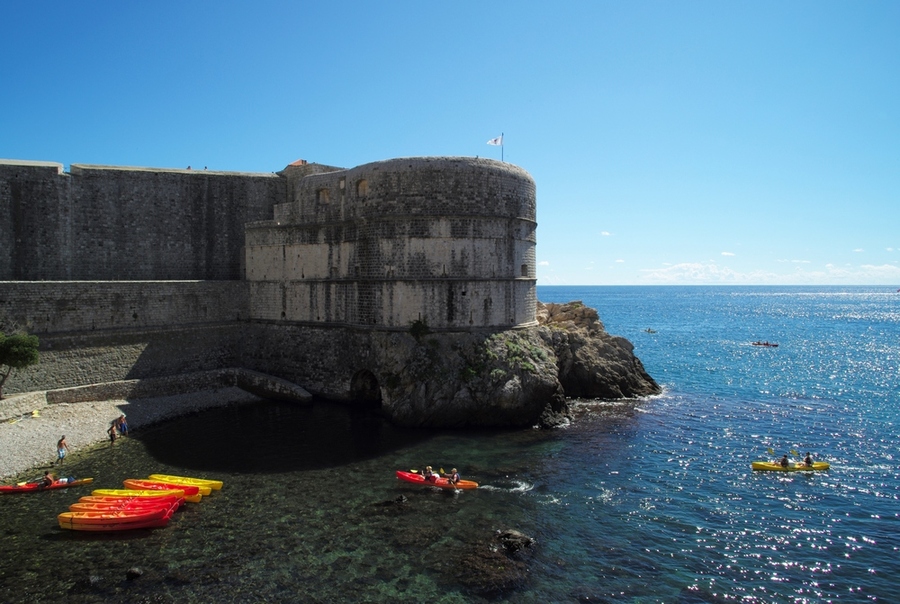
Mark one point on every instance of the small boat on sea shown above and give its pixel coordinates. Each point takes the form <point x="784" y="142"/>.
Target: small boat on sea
<point x="775" y="466"/>
<point x="440" y="482"/>
<point x="767" y="344"/>
<point x="28" y="487"/>
<point x="648" y="330"/>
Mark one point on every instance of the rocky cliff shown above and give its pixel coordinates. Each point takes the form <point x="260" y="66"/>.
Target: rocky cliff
<point x="518" y="377"/>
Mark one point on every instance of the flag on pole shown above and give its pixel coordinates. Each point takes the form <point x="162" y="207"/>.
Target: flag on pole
<point x="496" y="141"/>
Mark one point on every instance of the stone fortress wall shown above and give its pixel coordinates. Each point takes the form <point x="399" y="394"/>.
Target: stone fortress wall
<point x="446" y="241"/>
<point x="133" y="273"/>
<point x="104" y="223"/>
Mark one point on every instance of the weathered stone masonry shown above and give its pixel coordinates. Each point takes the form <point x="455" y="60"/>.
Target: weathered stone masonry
<point x="134" y="273"/>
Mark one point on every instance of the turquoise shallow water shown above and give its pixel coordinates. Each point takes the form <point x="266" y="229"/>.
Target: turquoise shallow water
<point x="636" y="501"/>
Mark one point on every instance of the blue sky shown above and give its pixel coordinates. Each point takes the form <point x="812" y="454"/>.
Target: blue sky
<point x="671" y="142"/>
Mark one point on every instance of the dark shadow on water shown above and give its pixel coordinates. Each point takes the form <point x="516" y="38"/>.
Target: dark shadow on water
<point x="64" y="535"/>
<point x="273" y="437"/>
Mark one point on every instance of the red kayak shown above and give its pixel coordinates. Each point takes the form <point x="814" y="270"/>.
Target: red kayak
<point x="132" y="505"/>
<point x="191" y="493"/>
<point x="113" y="516"/>
<point x="441" y="483"/>
<point x="27" y="487"/>
<point x="132" y="501"/>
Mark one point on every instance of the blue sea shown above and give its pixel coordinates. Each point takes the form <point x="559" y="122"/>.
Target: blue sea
<point x="649" y="500"/>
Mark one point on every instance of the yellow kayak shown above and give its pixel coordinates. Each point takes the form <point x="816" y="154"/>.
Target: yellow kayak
<point x="791" y="467"/>
<point x="215" y="485"/>
<point x="135" y="493"/>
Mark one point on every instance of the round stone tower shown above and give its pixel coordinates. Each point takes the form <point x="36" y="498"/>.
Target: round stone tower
<point x="445" y="241"/>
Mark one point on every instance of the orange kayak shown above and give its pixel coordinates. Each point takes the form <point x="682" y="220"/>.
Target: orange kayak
<point x="441" y="483"/>
<point x="152" y="483"/>
<point x="134" y="504"/>
<point x="191" y="493"/>
<point x="123" y="500"/>
<point x="113" y="516"/>
<point x="116" y="526"/>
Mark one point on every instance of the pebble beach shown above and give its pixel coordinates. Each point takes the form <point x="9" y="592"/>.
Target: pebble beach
<point x="30" y="427"/>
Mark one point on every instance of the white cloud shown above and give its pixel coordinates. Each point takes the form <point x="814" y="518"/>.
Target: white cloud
<point x="620" y="261"/>
<point x="711" y="273"/>
<point x="859" y="249"/>
<point x="605" y="233"/>
<point x="543" y="263"/>
<point x="890" y="249"/>
<point x="728" y="253"/>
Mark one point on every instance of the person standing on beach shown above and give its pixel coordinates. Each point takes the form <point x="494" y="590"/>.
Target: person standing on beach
<point x="112" y="433"/>
<point x="122" y="425"/>
<point x="62" y="447"/>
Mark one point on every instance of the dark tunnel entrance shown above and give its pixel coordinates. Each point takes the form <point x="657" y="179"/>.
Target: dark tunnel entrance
<point x="364" y="389"/>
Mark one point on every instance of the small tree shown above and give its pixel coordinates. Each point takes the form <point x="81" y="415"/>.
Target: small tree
<point x="16" y="352"/>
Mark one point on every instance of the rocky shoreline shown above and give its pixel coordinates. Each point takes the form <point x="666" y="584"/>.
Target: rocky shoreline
<point x="30" y="427"/>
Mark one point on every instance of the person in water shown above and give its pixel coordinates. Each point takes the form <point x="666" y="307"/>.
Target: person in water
<point x="429" y="475"/>
<point x="784" y="462"/>
<point x="62" y="447"/>
<point x="808" y="460"/>
<point x="453" y="476"/>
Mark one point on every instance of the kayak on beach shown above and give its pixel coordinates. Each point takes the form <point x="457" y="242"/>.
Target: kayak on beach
<point x="152" y="483"/>
<point x="441" y="483"/>
<point x="191" y="493"/>
<point x="791" y="467"/>
<point x="136" y="493"/>
<point x="215" y="485"/>
<point x="122" y="520"/>
<point x="26" y="487"/>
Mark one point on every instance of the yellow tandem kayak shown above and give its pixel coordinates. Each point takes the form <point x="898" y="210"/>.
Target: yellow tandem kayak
<point x="791" y="467"/>
<point x="135" y="493"/>
<point x="215" y="485"/>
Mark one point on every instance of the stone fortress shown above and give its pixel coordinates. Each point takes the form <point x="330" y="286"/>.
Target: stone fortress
<point x="408" y="284"/>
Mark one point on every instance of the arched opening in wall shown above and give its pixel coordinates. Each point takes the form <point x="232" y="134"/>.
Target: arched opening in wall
<point x="364" y="389"/>
<point x="362" y="188"/>
<point x="322" y="196"/>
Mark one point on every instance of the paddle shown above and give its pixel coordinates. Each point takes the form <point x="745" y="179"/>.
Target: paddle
<point x="795" y="453"/>
<point x="770" y="451"/>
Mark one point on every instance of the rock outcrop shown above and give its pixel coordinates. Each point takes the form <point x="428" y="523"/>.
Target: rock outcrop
<point x="518" y="377"/>
<point x="591" y="362"/>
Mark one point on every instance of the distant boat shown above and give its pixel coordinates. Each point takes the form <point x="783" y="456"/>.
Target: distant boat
<point x="648" y="330"/>
<point x="769" y="344"/>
